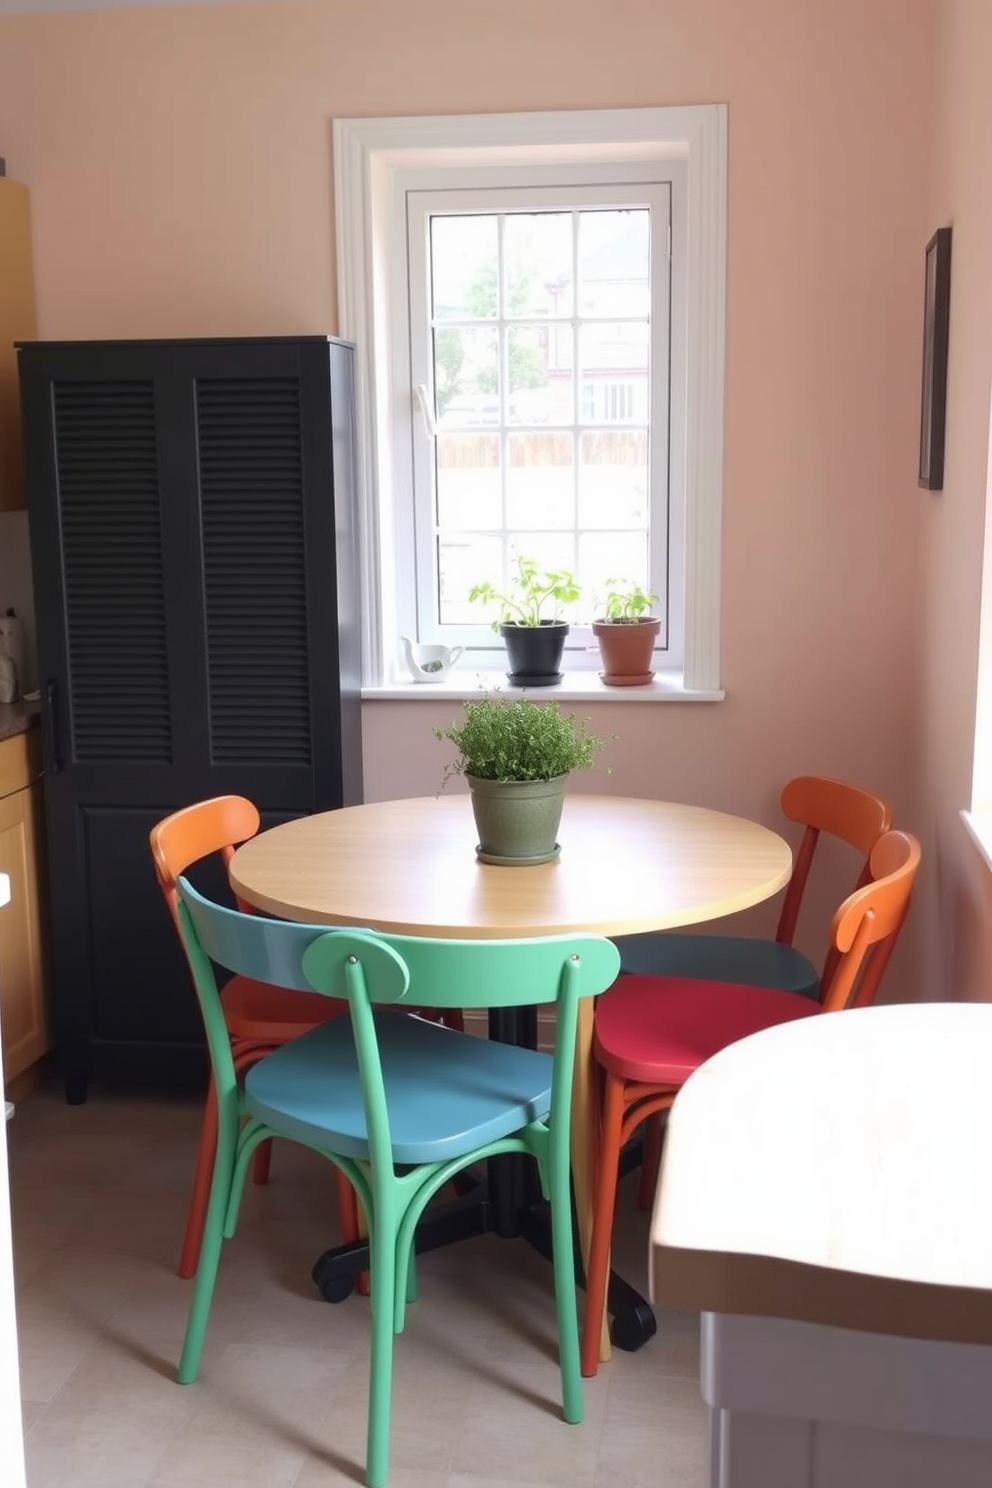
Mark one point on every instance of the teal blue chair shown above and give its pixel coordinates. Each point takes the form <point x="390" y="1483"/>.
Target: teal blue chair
<point x="398" y="1104"/>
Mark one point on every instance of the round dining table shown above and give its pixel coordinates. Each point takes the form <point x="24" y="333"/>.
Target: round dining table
<point x="409" y="866"/>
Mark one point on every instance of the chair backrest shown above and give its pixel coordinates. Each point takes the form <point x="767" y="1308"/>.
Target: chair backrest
<point x="845" y="812"/>
<point x="865" y="928"/>
<point x="365" y="968"/>
<point x="467" y="974"/>
<point x="198" y="831"/>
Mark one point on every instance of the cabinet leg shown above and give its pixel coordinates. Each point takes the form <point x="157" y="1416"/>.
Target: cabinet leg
<point x="76" y="1076"/>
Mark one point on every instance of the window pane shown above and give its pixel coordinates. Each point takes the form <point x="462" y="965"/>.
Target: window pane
<point x="607" y="556"/>
<point x="465" y="560"/>
<point x="466" y="377"/>
<point x="537" y="250"/>
<point x="613" y="368"/>
<point x="469" y="489"/>
<point x="540" y="482"/>
<point x="613" y="479"/>
<point x="614" y="263"/>
<point x="464" y="259"/>
<point x="539" y="361"/>
<point x="540" y="325"/>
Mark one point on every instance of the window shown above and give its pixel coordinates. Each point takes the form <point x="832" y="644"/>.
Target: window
<point x="512" y="302"/>
<point x="540" y="371"/>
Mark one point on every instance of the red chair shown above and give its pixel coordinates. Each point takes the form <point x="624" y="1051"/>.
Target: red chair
<point x="822" y="807"/>
<point x="652" y="1032"/>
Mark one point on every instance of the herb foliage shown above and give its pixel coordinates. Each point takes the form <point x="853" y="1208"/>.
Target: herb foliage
<point x="531" y="590"/>
<point x="625" y="602"/>
<point x="515" y="739"/>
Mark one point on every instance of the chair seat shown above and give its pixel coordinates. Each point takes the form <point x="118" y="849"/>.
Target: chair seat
<point x="257" y="1010"/>
<point x="721" y="958"/>
<point x="446" y="1092"/>
<point x="659" y="1029"/>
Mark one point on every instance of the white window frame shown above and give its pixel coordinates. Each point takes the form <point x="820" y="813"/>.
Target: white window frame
<point x="369" y="157"/>
<point x="414" y="457"/>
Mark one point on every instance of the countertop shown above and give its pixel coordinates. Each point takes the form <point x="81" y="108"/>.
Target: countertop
<point x="18" y="718"/>
<point x="837" y="1170"/>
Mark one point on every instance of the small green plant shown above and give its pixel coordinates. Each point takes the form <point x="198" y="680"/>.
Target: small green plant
<point x="625" y="602"/>
<point x="532" y="588"/>
<point x="514" y="739"/>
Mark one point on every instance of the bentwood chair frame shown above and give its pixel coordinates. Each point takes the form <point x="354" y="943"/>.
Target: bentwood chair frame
<point x="636" y="1086"/>
<point x="823" y="807"/>
<point x="399" y="1105"/>
<point x="259" y="1018"/>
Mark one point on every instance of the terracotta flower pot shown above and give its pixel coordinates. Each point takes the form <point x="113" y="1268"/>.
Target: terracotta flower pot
<point x="627" y="649"/>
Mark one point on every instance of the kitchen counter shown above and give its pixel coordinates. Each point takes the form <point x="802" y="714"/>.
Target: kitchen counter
<point x="18" y="718"/>
<point x="825" y="1201"/>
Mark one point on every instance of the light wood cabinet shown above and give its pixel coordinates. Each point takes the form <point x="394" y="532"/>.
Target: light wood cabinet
<point x="17" y="323"/>
<point x="23" y="1019"/>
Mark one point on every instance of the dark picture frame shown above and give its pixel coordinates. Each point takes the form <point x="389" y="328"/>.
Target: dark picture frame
<point x="936" y="319"/>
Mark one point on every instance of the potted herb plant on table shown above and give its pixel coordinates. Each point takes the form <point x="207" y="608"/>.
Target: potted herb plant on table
<point x="626" y="634"/>
<point x="517" y="756"/>
<point x="530" y="620"/>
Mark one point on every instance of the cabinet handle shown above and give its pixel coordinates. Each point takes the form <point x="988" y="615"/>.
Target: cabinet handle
<point x="52" y="727"/>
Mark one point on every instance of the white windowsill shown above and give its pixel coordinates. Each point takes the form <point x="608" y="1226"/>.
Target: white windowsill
<point x="577" y="687"/>
<point x="979" y="825"/>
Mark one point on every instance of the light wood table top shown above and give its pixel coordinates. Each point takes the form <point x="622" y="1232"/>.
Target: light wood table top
<point x="837" y="1170"/>
<point x="626" y="865"/>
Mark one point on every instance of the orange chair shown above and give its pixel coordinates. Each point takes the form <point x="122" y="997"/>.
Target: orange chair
<point x="259" y="1018"/>
<point x="819" y="805"/>
<point x="652" y="1032"/>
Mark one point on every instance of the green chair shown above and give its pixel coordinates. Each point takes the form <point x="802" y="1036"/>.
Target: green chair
<point x="398" y="1104"/>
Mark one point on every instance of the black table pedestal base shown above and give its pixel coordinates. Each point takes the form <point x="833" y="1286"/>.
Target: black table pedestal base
<point x="475" y="1212"/>
<point x="507" y="1203"/>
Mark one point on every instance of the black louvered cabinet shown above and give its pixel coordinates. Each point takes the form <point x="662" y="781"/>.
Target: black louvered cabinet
<point x="193" y="545"/>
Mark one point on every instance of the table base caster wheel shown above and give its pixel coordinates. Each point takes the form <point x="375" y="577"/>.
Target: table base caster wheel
<point x="331" y="1285"/>
<point x="630" y="1330"/>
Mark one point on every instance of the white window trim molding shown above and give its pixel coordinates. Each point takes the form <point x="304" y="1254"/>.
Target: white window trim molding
<point x="978" y="825"/>
<point x="367" y="153"/>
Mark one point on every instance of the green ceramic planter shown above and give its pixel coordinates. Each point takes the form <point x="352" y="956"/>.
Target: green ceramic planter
<point x="517" y="820"/>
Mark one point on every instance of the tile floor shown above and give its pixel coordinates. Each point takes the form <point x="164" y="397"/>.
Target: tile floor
<point x="98" y="1196"/>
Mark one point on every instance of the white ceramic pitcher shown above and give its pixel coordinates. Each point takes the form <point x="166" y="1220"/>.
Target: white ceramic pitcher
<point x="429" y="663"/>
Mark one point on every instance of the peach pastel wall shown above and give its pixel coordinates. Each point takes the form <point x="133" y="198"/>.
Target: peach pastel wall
<point x="180" y="167"/>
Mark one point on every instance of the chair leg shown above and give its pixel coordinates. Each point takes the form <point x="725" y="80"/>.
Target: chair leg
<point x="383" y="1269"/>
<point x="597" y="1271"/>
<point x="563" y="1256"/>
<point x="261" y="1162"/>
<point x="210" y="1248"/>
<point x="351" y="1225"/>
<point x="650" y="1160"/>
<point x="200" y="1195"/>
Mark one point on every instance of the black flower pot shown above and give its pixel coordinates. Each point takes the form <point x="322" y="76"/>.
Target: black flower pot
<point x="534" y="652"/>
